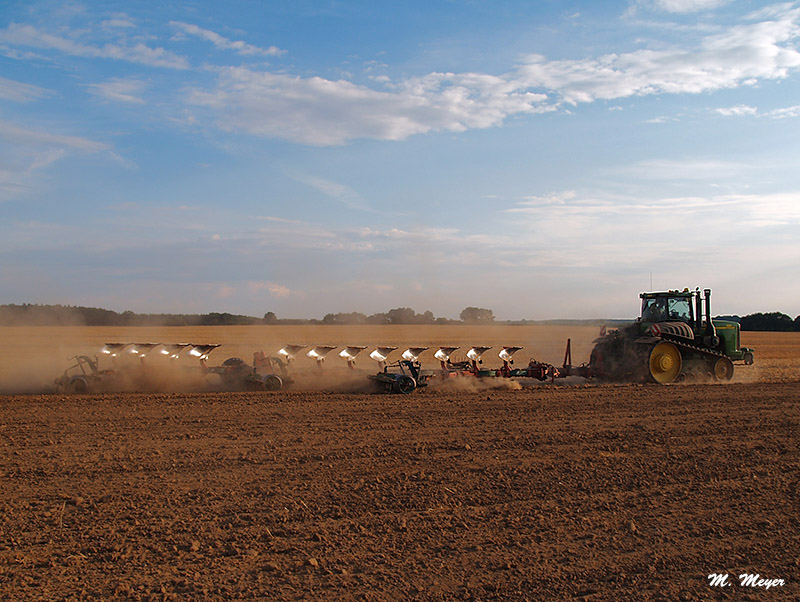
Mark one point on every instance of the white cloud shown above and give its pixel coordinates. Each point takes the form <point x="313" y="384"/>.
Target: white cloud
<point x="684" y="6"/>
<point x="741" y="110"/>
<point x="739" y="56"/>
<point x="323" y="112"/>
<point x="684" y="169"/>
<point x="737" y="111"/>
<point x="342" y="193"/>
<point x="121" y="90"/>
<point x="784" y="113"/>
<point x="278" y="291"/>
<point x="33" y="151"/>
<point x="28" y="36"/>
<point x="19" y="92"/>
<point x="23" y="136"/>
<point x="280" y="220"/>
<point x="554" y="198"/>
<point x="223" y="43"/>
<point x="609" y="233"/>
<point x="120" y="21"/>
<point x="318" y="111"/>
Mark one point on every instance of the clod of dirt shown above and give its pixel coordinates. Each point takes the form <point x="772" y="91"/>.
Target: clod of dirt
<point x="272" y="566"/>
<point x="312" y="562"/>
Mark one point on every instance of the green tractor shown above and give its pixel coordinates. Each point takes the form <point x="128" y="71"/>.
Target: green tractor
<point x="674" y="338"/>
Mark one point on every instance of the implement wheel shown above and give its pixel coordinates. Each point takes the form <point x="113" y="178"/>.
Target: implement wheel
<point x="723" y="369"/>
<point x="273" y="383"/>
<point x="665" y="363"/>
<point x="404" y="384"/>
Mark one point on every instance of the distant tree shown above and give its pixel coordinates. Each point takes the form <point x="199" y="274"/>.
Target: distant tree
<point x="477" y="315"/>
<point x="772" y="322"/>
<point x="352" y="317"/>
<point x="379" y="318"/>
<point x="401" y="315"/>
<point x="270" y="318"/>
<point x="426" y="318"/>
<point x="797" y="323"/>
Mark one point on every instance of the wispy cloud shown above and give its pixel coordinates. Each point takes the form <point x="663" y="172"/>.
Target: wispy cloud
<point x="224" y="43"/>
<point x="120" y="90"/>
<point x="785" y="112"/>
<point x="688" y="169"/>
<point x="19" y="135"/>
<point x="737" y="111"/>
<point x="680" y="6"/>
<point x="335" y="190"/>
<point x="119" y="21"/>
<point x="34" y="150"/>
<point x="17" y="34"/>
<point x="603" y="231"/>
<point x="745" y="110"/>
<point x="278" y="291"/>
<point x="19" y="92"/>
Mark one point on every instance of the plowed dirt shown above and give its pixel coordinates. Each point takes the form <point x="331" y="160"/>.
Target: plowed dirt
<point x="599" y="492"/>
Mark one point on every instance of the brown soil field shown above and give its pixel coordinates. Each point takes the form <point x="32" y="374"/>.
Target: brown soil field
<point x="564" y="492"/>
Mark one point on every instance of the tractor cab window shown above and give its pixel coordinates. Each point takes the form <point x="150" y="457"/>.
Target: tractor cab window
<point x="654" y="309"/>
<point x="680" y="308"/>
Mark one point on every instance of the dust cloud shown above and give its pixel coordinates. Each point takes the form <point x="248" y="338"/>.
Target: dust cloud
<point x="32" y="357"/>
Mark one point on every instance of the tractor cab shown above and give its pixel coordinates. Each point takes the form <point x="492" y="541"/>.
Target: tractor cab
<point x="670" y="306"/>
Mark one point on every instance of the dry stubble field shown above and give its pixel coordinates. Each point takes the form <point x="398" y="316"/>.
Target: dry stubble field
<point x="590" y="492"/>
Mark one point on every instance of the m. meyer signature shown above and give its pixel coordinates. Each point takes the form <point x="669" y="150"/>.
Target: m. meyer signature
<point x="745" y="580"/>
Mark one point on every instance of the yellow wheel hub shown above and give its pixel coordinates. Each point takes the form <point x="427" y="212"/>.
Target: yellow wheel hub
<point x="665" y="363"/>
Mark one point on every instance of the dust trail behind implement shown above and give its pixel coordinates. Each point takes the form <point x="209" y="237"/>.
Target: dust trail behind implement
<point x="32" y="357"/>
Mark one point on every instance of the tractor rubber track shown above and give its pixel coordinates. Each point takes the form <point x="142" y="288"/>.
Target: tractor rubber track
<point x="678" y="342"/>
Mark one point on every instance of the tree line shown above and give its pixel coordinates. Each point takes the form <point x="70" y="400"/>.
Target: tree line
<point x="28" y="314"/>
<point x="774" y="321"/>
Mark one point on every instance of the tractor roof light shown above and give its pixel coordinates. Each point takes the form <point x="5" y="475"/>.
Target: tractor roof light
<point x="475" y="353"/>
<point x="507" y="353"/>
<point x="381" y="353"/>
<point x="412" y="353"/>
<point x="443" y="353"/>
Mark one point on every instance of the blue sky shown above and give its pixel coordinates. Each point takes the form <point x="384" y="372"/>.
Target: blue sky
<point x="541" y="159"/>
